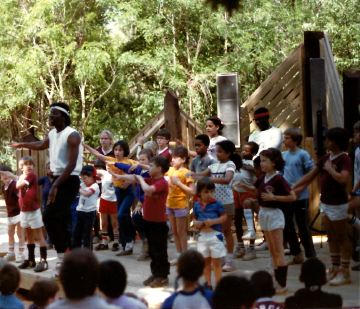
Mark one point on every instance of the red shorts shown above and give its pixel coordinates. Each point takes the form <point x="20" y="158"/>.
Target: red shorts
<point x="239" y="198"/>
<point x="107" y="207"/>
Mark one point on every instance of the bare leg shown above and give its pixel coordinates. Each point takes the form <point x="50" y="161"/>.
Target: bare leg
<point x="275" y="242"/>
<point x="172" y="220"/>
<point x="217" y="269"/>
<point x="180" y="226"/>
<point x="39" y="235"/>
<point x="207" y="270"/>
<point x="104" y="223"/>
<point x="20" y="234"/>
<point x="11" y="233"/>
<point x="114" y="222"/>
<point x="228" y="234"/>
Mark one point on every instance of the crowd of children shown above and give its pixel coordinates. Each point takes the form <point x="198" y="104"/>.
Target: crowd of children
<point x="225" y="187"/>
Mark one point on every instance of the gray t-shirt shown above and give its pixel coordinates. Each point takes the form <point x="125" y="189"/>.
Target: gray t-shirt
<point x="199" y="165"/>
<point x="297" y="164"/>
<point x="90" y="302"/>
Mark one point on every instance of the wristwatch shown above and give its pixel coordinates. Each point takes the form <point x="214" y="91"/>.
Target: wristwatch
<point x="352" y="193"/>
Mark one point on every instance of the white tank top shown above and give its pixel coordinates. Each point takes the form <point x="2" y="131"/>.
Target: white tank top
<point x="59" y="152"/>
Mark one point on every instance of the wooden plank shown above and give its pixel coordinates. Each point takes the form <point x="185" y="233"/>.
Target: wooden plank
<point x="191" y="136"/>
<point x="18" y="153"/>
<point x="286" y="112"/>
<point x="172" y="115"/>
<point x="184" y="133"/>
<point x="285" y="102"/>
<point x="290" y="122"/>
<point x="265" y="87"/>
<point x="302" y="96"/>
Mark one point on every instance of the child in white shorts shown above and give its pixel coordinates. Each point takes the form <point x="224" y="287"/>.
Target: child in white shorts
<point x="30" y="214"/>
<point x="13" y="216"/>
<point x="209" y="214"/>
<point x="271" y="188"/>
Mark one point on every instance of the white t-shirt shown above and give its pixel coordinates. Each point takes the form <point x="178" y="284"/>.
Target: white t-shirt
<point x="107" y="188"/>
<point x="357" y="166"/>
<point x="271" y="138"/>
<point x="212" y="147"/>
<point x="244" y="177"/>
<point x="126" y="302"/>
<point x="88" y="203"/>
<point x="223" y="193"/>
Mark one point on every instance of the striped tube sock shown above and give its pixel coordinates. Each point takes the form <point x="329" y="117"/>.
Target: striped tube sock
<point x="252" y="245"/>
<point x="11" y="249"/>
<point x="116" y="237"/>
<point x="31" y="251"/>
<point x="21" y="249"/>
<point x="249" y="219"/>
<point x="335" y="260"/>
<point x="241" y="245"/>
<point x="105" y="238"/>
<point x="345" y="264"/>
<point x="354" y="221"/>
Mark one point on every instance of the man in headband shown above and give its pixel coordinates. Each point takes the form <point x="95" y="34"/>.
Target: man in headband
<point x="266" y="136"/>
<point x="65" y="148"/>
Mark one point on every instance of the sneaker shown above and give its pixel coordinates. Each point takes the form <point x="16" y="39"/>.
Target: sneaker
<point x="250" y="235"/>
<point x="239" y="253"/>
<point x="262" y="246"/>
<point x="27" y="264"/>
<point x="207" y="286"/>
<point x="331" y="273"/>
<point x="159" y="282"/>
<point x="58" y="265"/>
<point x="279" y="290"/>
<point x="342" y="278"/>
<point x="356" y="267"/>
<point x="115" y="247"/>
<point x="20" y="258"/>
<point x="143" y="257"/>
<point x="129" y="246"/>
<point x="286" y="250"/>
<point x="172" y="240"/>
<point x="49" y="246"/>
<point x="149" y="280"/>
<point x="297" y="259"/>
<point x="41" y="266"/>
<point x="250" y="255"/>
<point x="174" y="261"/>
<point x="101" y="247"/>
<point x="124" y="252"/>
<point x="9" y="257"/>
<point x="95" y="240"/>
<point x="229" y="266"/>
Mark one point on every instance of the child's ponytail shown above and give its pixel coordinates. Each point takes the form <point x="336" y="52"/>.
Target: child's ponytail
<point x="229" y="147"/>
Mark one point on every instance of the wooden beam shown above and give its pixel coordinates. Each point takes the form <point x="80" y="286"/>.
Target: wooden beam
<point x="172" y="115"/>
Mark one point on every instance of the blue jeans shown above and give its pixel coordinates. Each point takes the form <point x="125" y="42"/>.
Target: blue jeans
<point x="83" y="229"/>
<point x="124" y="199"/>
<point x="138" y="222"/>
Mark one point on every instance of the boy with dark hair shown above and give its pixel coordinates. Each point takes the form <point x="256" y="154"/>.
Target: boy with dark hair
<point x="163" y="139"/>
<point x="298" y="163"/>
<point x="9" y="283"/>
<point x="264" y="287"/>
<point x="335" y="168"/>
<point x="30" y="213"/>
<point x="42" y="293"/>
<point x="156" y="191"/>
<point x="112" y="283"/>
<point x="79" y="276"/>
<point x="313" y="275"/>
<point x="202" y="161"/>
<point x="13" y="215"/>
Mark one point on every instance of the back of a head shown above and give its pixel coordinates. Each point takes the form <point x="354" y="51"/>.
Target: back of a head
<point x="5" y="168"/>
<point x="79" y="274"/>
<point x="9" y="279"/>
<point x="100" y="164"/>
<point x="340" y="136"/>
<point x="161" y="162"/>
<point x="263" y="284"/>
<point x="313" y="273"/>
<point x="204" y="139"/>
<point x="190" y="265"/>
<point x="234" y="292"/>
<point x="42" y="291"/>
<point x="112" y="280"/>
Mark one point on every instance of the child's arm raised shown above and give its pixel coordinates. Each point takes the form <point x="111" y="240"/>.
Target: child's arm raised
<point x="188" y="189"/>
<point x="197" y="176"/>
<point x="251" y="189"/>
<point x="94" y="152"/>
<point x="342" y="177"/>
<point x="146" y="188"/>
<point x="86" y="192"/>
<point x="224" y="180"/>
<point x="306" y="179"/>
<point x="21" y="182"/>
<point x="9" y="175"/>
<point x="279" y="198"/>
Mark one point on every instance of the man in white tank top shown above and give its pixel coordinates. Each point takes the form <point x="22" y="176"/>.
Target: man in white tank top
<point x="65" y="148"/>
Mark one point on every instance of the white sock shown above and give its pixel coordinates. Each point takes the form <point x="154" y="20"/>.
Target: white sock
<point x="129" y="245"/>
<point x="355" y="222"/>
<point x="271" y="264"/>
<point x="249" y="220"/>
<point x="229" y="256"/>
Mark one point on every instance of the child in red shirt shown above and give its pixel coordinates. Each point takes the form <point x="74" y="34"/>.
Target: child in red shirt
<point x="30" y="213"/>
<point x="334" y="169"/>
<point x="13" y="215"/>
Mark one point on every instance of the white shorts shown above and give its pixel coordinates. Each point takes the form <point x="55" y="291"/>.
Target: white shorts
<point x="211" y="244"/>
<point x="31" y="219"/>
<point x="14" y="220"/>
<point x="334" y="212"/>
<point x="271" y="219"/>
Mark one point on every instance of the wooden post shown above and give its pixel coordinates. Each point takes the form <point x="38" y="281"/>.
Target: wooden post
<point x="172" y="116"/>
<point x="351" y="88"/>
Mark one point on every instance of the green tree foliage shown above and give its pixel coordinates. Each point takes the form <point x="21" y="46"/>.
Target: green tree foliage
<point x="112" y="61"/>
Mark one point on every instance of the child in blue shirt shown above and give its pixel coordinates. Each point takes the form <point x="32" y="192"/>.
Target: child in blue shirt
<point x="145" y="156"/>
<point x="298" y="163"/>
<point x="190" y="268"/>
<point x="9" y="283"/>
<point x="209" y="214"/>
